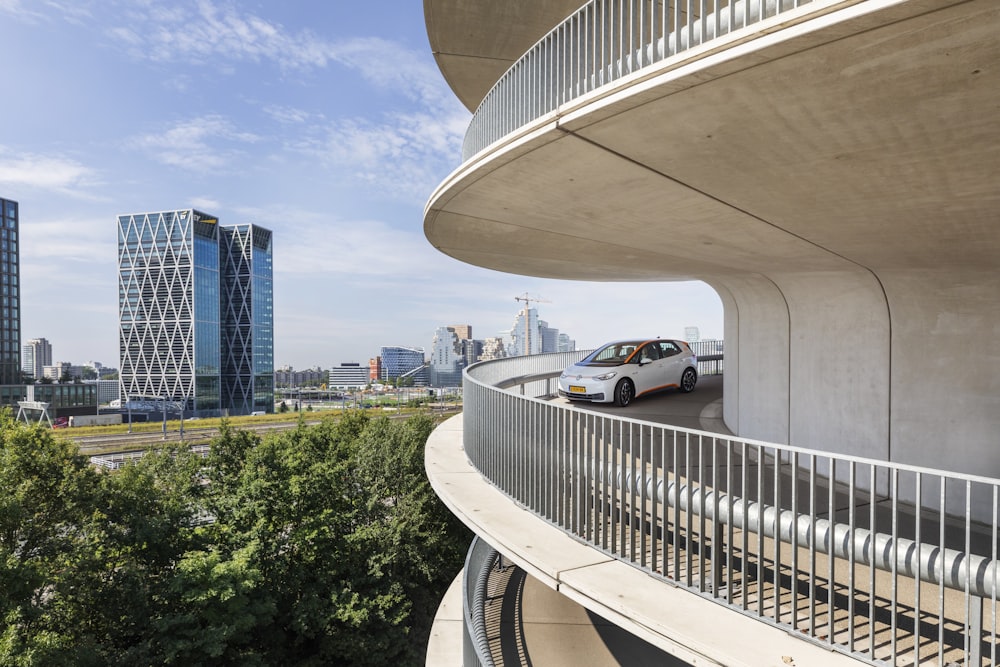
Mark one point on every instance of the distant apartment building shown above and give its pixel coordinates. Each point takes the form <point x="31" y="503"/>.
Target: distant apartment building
<point x="35" y="356"/>
<point x="196" y="312"/>
<point x="348" y="376"/>
<point x="62" y="370"/>
<point x="447" y="358"/>
<point x="565" y="343"/>
<point x="404" y="363"/>
<point x="10" y="321"/>
<point x="691" y="334"/>
<point x="286" y="376"/>
<point x="493" y="348"/>
<point x="375" y="369"/>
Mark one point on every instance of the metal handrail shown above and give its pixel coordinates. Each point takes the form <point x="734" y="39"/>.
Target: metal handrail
<point x="479" y="561"/>
<point x="648" y="493"/>
<point x="603" y="42"/>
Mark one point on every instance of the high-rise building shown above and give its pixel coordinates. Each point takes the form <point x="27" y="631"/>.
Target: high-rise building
<point x="549" y="337"/>
<point x="10" y="322"/>
<point x="247" y="319"/>
<point x="36" y="355"/>
<point x="195" y="312"/>
<point x="565" y="343"/>
<point x="447" y="358"/>
<point x="525" y="335"/>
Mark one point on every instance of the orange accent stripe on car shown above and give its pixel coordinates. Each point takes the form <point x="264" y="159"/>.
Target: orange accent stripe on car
<point x="666" y="386"/>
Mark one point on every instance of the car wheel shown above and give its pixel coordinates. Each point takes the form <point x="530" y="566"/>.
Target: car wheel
<point x="688" y="379"/>
<point x="624" y="393"/>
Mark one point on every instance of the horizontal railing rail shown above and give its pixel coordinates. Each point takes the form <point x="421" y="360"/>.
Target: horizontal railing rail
<point x="886" y="562"/>
<point x="602" y="42"/>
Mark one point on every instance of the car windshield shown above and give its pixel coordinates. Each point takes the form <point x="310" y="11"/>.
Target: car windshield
<point x="613" y="354"/>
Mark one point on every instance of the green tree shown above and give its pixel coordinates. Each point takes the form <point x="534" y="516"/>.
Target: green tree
<point x="47" y="495"/>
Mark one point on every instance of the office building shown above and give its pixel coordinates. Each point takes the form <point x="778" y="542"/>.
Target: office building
<point x="247" y="319"/>
<point x="404" y="363"/>
<point x="195" y="312"/>
<point x="351" y="375"/>
<point x="829" y="168"/>
<point x="565" y="343"/>
<point x="549" y="337"/>
<point x="10" y="309"/>
<point x="36" y="355"/>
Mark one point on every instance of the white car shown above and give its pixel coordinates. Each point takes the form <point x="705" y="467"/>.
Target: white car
<point x="624" y="370"/>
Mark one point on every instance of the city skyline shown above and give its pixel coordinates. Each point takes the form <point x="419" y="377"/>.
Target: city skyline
<point x="330" y="125"/>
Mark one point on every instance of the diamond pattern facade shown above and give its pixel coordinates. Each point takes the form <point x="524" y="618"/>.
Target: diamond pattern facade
<point x="247" y="320"/>
<point x="173" y="290"/>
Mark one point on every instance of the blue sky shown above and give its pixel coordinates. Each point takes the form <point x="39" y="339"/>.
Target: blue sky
<point x="327" y="122"/>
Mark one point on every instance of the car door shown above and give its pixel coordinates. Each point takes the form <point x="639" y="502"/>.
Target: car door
<point x="650" y="373"/>
<point x="673" y="362"/>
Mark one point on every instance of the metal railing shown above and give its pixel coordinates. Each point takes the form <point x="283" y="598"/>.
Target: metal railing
<point x="882" y="561"/>
<point x="479" y="561"/>
<point x="602" y="42"/>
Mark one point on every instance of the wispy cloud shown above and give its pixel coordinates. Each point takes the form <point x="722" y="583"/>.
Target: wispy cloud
<point x="206" y="31"/>
<point x="54" y="173"/>
<point x="197" y="144"/>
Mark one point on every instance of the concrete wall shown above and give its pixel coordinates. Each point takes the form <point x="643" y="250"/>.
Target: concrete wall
<point x="901" y="367"/>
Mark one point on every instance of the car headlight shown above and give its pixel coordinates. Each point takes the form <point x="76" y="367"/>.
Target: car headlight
<point x="606" y="376"/>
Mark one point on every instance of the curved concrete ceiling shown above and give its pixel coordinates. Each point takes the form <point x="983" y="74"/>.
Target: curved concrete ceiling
<point x="474" y="43"/>
<point x="871" y="142"/>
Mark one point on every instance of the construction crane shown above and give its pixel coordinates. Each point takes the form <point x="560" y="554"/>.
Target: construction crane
<point x="527" y="299"/>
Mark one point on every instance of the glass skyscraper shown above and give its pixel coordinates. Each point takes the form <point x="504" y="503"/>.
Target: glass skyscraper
<point x="10" y="321"/>
<point x="195" y="312"/>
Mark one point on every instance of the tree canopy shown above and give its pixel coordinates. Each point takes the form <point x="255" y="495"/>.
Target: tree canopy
<point x="321" y="545"/>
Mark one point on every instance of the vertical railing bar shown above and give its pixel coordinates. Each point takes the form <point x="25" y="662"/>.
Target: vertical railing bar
<point x="594" y="491"/>
<point x="894" y="472"/>
<point x="654" y="519"/>
<point x="633" y="509"/>
<point x="942" y="506"/>
<point x="761" y="548"/>
<point x="831" y="588"/>
<point x="646" y="533"/>
<point x="872" y="501"/>
<point x="918" y="494"/>
<point x="688" y="538"/>
<point x="702" y="537"/>
<point x="665" y="480"/>
<point x="993" y="593"/>
<point x="745" y="537"/>
<point x="812" y="543"/>
<point x="716" y="558"/>
<point x="677" y="509"/>
<point x="795" y="541"/>
<point x="776" y="490"/>
<point x="970" y="613"/>
<point x="617" y="432"/>
<point x="729" y="528"/>
<point x="851" y="559"/>
<point x="600" y="484"/>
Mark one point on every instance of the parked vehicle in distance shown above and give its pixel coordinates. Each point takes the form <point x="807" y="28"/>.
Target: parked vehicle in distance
<point x="623" y="370"/>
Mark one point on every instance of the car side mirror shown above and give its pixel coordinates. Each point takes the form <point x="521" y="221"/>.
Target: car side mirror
<point x="645" y="360"/>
